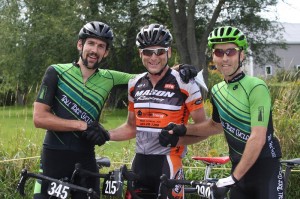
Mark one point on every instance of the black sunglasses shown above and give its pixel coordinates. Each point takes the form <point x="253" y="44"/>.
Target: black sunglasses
<point x="229" y="52"/>
<point x="158" y="51"/>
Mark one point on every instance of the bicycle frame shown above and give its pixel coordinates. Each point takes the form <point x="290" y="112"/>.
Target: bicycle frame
<point x="203" y="189"/>
<point x="62" y="187"/>
<point x="65" y="186"/>
<point x="289" y="165"/>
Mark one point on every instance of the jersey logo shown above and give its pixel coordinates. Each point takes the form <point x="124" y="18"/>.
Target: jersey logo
<point x="43" y="92"/>
<point x="178" y="176"/>
<point x="235" y="87"/>
<point x="260" y="114"/>
<point x="141" y="85"/>
<point x="199" y="101"/>
<point x="154" y="93"/>
<point x="139" y="113"/>
<point x="170" y="86"/>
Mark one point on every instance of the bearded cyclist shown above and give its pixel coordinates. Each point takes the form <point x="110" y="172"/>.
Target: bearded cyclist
<point x="157" y="98"/>
<point x="242" y="109"/>
<point x="69" y="105"/>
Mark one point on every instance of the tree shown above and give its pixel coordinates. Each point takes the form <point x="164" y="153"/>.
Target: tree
<point x="37" y="34"/>
<point x="189" y="18"/>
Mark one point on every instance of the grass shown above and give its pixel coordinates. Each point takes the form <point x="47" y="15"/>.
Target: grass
<point x="17" y="131"/>
<point x="20" y="139"/>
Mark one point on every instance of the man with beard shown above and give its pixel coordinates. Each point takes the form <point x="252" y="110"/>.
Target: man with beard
<point x="69" y="105"/>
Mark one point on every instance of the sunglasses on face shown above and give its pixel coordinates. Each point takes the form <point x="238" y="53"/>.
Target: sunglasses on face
<point x="229" y="52"/>
<point x="158" y="51"/>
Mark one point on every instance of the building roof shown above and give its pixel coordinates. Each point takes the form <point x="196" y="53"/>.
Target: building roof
<point x="291" y="33"/>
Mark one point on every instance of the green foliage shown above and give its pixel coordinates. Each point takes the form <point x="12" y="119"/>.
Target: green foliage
<point x="286" y="114"/>
<point x="36" y="34"/>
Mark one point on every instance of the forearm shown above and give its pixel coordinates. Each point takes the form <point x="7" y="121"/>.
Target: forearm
<point x="54" y="123"/>
<point x="250" y="155"/>
<point x="124" y="132"/>
<point x="205" y="128"/>
<point x="186" y="140"/>
<point x="43" y="118"/>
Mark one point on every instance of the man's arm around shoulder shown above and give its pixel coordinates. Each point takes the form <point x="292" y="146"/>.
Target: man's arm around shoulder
<point x="126" y="131"/>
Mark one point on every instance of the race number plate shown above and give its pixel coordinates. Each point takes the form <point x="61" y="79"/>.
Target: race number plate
<point x="113" y="185"/>
<point x="204" y="190"/>
<point x="58" y="190"/>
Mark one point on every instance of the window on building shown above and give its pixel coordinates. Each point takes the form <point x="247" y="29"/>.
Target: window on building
<point x="268" y="70"/>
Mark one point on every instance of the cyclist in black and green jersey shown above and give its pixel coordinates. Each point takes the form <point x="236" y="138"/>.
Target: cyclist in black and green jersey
<point x="242" y="109"/>
<point x="69" y="105"/>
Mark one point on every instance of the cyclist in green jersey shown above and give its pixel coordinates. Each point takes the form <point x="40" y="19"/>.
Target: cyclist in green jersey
<point x="69" y="105"/>
<point x="242" y="109"/>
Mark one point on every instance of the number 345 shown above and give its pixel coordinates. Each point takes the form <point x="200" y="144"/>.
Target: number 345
<point x="58" y="190"/>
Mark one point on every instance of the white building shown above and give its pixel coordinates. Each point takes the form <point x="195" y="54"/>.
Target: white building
<point x="290" y="57"/>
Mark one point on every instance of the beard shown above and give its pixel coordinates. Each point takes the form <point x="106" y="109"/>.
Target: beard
<point x="86" y="63"/>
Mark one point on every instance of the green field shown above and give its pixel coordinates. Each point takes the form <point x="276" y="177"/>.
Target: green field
<point x="17" y="133"/>
<point x="21" y="143"/>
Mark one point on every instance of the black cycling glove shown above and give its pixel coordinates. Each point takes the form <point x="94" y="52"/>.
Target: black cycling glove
<point x="170" y="140"/>
<point x="96" y="134"/>
<point x="179" y="130"/>
<point x="167" y="140"/>
<point x="187" y="72"/>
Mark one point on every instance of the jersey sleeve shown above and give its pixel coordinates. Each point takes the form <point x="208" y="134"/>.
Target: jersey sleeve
<point x="260" y="105"/>
<point x="121" y="77"/>
<point x="194" y="100"/>
<point x="215" y="113"/>
<point x="131" y="85"/>
<point x="48" y="87"/>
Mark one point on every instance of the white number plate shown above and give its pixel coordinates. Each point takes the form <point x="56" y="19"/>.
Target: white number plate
<point x="110" y="187"/>
<point x="58" y="190"/>
<point x="113" y="185"/>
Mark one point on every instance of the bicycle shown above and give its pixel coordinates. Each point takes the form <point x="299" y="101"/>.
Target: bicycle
<point x="60" y="188"/>
<point x="289" y="165"/>
<point x="205" y="188"/>
<point x="113" y="180"/>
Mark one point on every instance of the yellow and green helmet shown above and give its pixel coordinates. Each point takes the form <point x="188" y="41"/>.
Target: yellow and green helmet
<point x="227" y="34"/>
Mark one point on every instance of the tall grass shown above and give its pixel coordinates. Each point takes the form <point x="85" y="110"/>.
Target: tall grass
<point x="286" y="112"/>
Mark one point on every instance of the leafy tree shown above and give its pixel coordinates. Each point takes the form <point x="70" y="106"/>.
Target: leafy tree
<point x="39" y="33"/>
<point x="193" y="21"/>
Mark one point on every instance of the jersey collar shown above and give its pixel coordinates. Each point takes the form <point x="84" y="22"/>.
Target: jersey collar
<point x="237" y="78"/>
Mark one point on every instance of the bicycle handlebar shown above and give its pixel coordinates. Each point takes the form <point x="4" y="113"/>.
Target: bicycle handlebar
<point x="294" y="162"/>
<point x="85" y="173"/>
<point x="203" y="188"/>
<point x="25" y="175"/>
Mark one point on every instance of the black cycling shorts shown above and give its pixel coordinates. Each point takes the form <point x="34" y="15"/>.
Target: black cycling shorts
<point x="60" y="164"/>
<point x="263" y="181"/>
<point x="150" y="168"/>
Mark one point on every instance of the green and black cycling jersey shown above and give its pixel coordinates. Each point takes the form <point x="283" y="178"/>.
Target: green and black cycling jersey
<point x="240" y="104"/>
<point x="69" y="97"/>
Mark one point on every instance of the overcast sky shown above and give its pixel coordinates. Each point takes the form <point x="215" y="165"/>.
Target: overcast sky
<point x="289" y="11"/>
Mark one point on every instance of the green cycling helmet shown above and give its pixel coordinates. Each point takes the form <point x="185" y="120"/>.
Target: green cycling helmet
<point x="227" y="34"/>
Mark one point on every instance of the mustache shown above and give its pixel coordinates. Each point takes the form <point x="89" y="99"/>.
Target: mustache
<point x="93" y="54"/>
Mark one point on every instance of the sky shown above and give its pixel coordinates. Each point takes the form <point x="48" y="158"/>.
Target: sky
<point x="288" y="12"/>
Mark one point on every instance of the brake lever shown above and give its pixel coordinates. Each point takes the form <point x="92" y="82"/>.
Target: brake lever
<point x="21" y="183"/>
